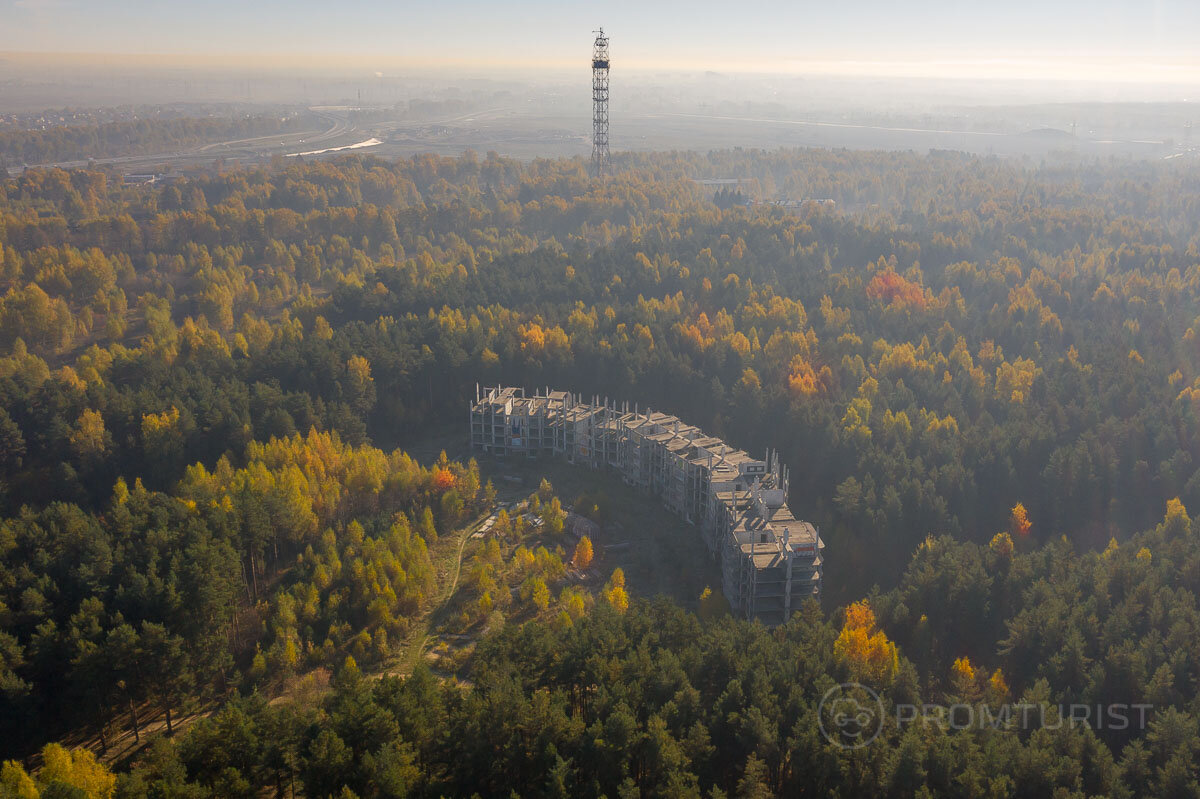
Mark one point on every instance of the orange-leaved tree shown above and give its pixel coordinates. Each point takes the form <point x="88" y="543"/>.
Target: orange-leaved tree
<point x="871" y="656"/>
<point x="1019" y="522"/>
<point x="583" y="553"/>
<point x="443" y="480"/>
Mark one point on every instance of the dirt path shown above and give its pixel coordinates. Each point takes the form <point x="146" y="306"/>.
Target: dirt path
<point x="458" y="563"/>
<point x="122" y="747"/>
<point x="419" y="637"/>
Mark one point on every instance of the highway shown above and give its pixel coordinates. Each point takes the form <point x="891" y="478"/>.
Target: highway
<point x="257" y="147"/>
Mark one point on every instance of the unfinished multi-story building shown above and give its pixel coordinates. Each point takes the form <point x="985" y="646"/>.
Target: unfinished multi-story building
<point x="770" y="560"/>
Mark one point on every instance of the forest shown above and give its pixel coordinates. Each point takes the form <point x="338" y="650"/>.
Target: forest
<point x="983" y="374"/>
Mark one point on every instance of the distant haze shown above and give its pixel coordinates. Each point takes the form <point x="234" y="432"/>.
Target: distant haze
<point x="1064" y="80"/>
<point x="1117" y="41"/>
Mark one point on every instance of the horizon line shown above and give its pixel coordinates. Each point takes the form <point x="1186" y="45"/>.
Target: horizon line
<point x="1086" y="69"/>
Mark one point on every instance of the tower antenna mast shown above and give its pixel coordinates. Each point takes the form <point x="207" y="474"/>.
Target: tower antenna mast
<point x="600" y="104"/>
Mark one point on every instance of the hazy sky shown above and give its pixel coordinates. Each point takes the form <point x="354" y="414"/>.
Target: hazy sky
<point x="1100" y="39"/>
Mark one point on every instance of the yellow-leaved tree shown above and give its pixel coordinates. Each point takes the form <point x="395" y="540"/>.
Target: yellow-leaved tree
<point x="63" y="773"/>
<point x="871" y="656"/>
<point x="1002" y="544"/>
<point x="583" y="553"/>
<point x="964" y="677"/>
<point x="1176" y="518"/>
<point x="1019" y="522"/>
<point x="614" y="591"/>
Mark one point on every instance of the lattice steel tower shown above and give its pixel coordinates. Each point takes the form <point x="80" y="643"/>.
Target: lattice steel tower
<point x="600" y="104"/>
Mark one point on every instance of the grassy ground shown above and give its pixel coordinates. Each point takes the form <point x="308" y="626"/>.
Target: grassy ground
<point x="447" y="553"/>
<point x="659" y="552"/>
<point x="665" y="555"/>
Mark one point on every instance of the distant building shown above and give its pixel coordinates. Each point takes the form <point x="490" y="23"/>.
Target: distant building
<point x="770" y="561"/>
<point x="787" y="203"/>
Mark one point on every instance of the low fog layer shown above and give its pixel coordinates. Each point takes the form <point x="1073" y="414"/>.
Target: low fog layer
<point x="548" y="113"/>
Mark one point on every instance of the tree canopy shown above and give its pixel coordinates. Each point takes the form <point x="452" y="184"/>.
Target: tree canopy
<point x="987" y="370"/>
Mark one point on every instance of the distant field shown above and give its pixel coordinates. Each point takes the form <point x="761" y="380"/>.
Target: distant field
<point x="135" y="137"/>
<point x="534" y="135"/>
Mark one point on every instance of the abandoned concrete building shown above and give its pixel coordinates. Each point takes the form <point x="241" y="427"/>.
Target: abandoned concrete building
<point x="770" y="560"/>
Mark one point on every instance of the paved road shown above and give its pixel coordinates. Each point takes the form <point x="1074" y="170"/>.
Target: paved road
<point x="339" y="126"/>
